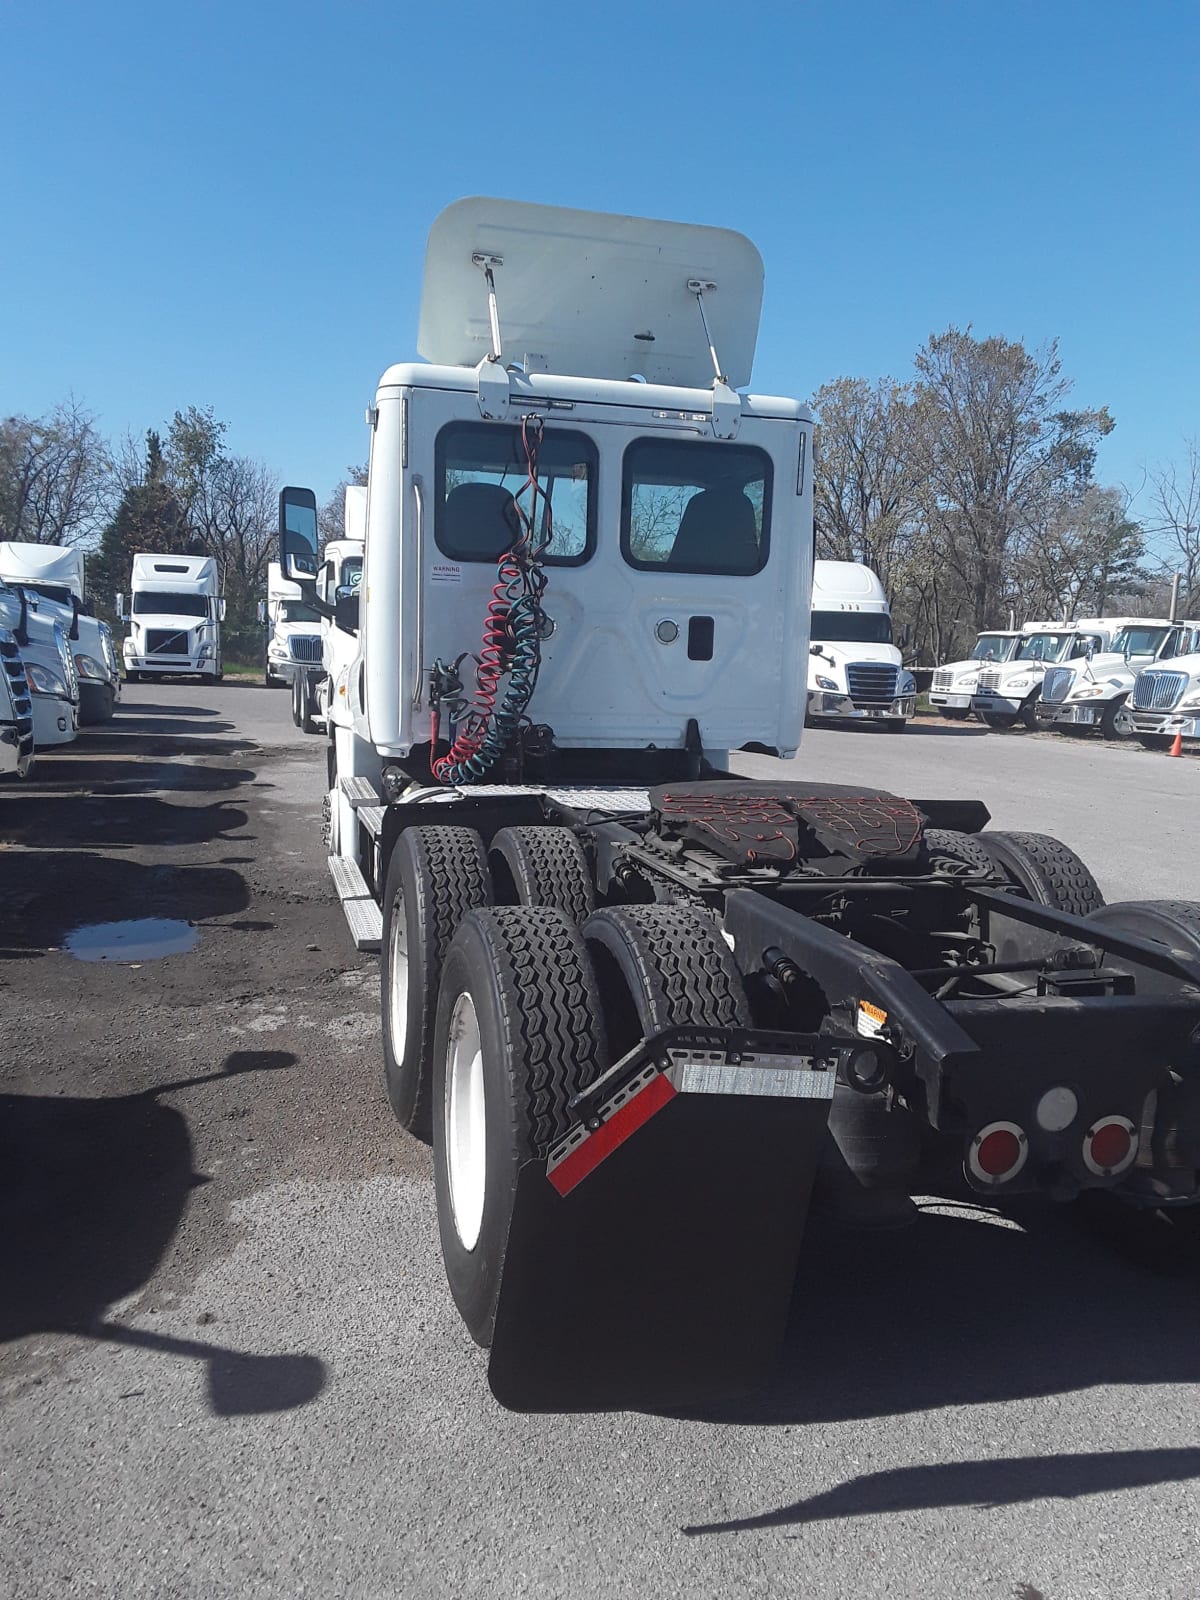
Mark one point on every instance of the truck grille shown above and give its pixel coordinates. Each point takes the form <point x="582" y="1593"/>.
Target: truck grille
<point x="166" y="642"/>
<point x="1158" y="691"/>
<point x="1056" y="684"/>
<point x="18" y="688"/>
<point x="989" y="682"/>
<point x="307" y="647"/>
<point x="943" y="679"/>
<point x="871" y="684"/>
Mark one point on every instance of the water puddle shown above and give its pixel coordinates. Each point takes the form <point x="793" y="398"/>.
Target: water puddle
<point x="144" y="939"/>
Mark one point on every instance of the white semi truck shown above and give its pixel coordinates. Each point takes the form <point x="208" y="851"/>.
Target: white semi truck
<point x="294" y="631"/>
<point x="954" y="684"/>
<point x="1165" y="699"/>
<point x="643" y="1007"/>
<point x="174" y="617"/>
<point x="1093" y="692"/>
<point x="855" y="671"/>
<point x="55" y="579"/>
<point x="16" y="700"/>
<point x="1007" y="693"/>
<point x="48" y="661"/>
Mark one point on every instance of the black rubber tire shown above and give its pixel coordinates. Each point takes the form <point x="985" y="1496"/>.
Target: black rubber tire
<point x="1114" y="721"/>
<point x="434" y="877"/>
<point x="1154" y="741"/>
<point x="663" y="967"/>
<point x="296" y="701"/>
<point x="541" y="1038"/>
<point x="1000" y="721"/>
<point x="331" y="772"/>
<point x="895" y="724"/>
<point x="1175" y="923"/>
<point x="964" y="847"/>
<point x="542" y="866"/>
<point x="1027" y="716"/>
<point x="307" y="725"/>
<point x="954" y="713"/>
<point x="1046" y="871"/>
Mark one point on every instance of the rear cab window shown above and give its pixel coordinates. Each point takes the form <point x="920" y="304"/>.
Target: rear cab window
<point x="696" y="506"/>
<point x="480" y="468"/>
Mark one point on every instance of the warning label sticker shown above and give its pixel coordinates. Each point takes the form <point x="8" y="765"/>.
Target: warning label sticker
<point x="445" y="572"/>
<point x="871" y="1020"/>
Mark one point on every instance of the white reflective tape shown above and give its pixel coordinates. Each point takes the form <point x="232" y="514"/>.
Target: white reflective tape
<point x="779" y="1077"/>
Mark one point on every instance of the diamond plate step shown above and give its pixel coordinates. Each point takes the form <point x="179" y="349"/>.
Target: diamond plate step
<point x="359" y="791"/>
<point x="371" y="818"/>
<point x="365" y="921"/>
<point x="348" y="879"/>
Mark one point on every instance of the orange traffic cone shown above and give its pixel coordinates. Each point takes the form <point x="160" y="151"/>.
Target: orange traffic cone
<point x="1176" y="745"/>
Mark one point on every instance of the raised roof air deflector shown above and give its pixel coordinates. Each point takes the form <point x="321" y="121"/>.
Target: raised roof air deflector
<point x="590" y="294"/>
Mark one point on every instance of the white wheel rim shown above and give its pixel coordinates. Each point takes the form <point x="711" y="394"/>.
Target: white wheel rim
<point x="397" y="1020"/>
<point x="466" y="1149"/>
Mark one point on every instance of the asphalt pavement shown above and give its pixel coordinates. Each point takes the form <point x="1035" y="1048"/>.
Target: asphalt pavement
<point x="229" y="1363"/>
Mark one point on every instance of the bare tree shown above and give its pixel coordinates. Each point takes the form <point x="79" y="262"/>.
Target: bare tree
<point x="1175" y="521"/>
<point x="54" y="477"/>
<point x="331" y="518"/>
<point x="865" y="482"/>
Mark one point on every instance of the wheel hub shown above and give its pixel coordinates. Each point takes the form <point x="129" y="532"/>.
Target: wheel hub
<point x="466" y="1149"/>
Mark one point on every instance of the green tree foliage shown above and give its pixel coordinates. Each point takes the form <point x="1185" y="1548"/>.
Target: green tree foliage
<point x="148" y="517"/>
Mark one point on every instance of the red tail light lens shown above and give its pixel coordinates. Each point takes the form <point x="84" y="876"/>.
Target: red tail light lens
<point x="997" y="1152"/>
<point x="1109" y="1146"/>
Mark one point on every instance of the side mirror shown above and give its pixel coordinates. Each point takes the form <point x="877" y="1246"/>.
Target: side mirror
<point x="1090" y="650"/>
<point x="345" y="610"/>
<point x="905" y="638"/>
<point x="815" y="650"/>
<point x="260" y="611"/>
<point x="122" y="614"/>
<point x="298" y="534"/>
<point x="220" y="611"/>
<point x="324" y="579"/>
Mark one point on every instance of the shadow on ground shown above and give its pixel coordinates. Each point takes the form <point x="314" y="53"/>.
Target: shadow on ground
<point x="91" y="1193"/>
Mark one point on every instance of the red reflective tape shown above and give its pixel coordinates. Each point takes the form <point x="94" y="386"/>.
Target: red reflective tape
<point x="587" y="1156"/>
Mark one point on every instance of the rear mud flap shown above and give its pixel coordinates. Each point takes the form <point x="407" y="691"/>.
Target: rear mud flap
<point x="651" y="1259"/>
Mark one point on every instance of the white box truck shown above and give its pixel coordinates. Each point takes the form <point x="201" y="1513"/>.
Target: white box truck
<point x="855" y="671"/>
<point x="174" y="617"/>
<point x="294" y="631"/>
<point x="56" y="575"/>
<point x="1007" y="693"/>
<point x="644" y="1006"/>
<point x="953" y="685"/>
<point x="1093" y="692"/>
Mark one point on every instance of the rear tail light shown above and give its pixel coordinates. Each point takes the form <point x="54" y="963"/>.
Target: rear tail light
<point x="1109" y="1146"/>
<point x="997" y="1152"/>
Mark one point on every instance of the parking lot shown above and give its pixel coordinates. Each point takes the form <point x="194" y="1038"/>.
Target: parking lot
<point x="230" y="1363"/>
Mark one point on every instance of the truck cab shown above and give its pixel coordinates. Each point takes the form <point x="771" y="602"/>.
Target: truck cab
<point x="45" y="653"/>
<point x="1094" y="692"/>
<point x="54" y="577"/>
<point x="174" y="618"/>
<point x="1165" y="699"/>
<point x="322" y="697"/>
<point x="855" y="671"/>
<point x="294" y="631"/>
<point x="954" y="684"/>
<point x="1007" y="693"/>
<point x="16" y="700"/>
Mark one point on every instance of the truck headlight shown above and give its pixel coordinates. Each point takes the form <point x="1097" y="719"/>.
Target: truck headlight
<point x="89" y="667"/>
<point x="206" y="650"/>
<point x="826" y="683"/>
<point x="1190" y="702"/>
<point x="1015" y="683"/>
<point x="908" y="684"/>
<point x="45" y="680"/>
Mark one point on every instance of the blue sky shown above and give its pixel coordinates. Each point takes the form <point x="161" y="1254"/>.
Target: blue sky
<point x="226" y="205"/>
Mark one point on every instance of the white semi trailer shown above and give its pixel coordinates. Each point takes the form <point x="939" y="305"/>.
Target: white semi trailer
<point x="294" y="631"/>
<point x="174" y="617"/>
<point x="55" y="575"/>
<point x="954" y="684"/>
<point x="644" y="1007"/>
<point x="855" y="671"/>
<point x="1093" y="692"/>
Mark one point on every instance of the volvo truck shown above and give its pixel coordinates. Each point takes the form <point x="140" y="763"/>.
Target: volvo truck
<point x="954" y="684"/>
<point x="645" y="1008"/>
<point x="855" y="671"/>
<point x="1093" y="692"/>
<point x="174" y="618"/>
<point x="293" y="632"/>
<point x="55" y="574"/>
<point x="1007" y="693"/>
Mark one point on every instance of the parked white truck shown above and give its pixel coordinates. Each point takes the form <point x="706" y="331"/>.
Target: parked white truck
<point x="1093" y="692"/>
<point x="319" y="696"/>
<point x="855" y="671"/>
<point x="48" y="661"/>
<point x="16" y="701"/>
<point x="55" y="575"/>
<point x="641" y="1005"/>
<point x="954" y="684"/>
<point x="1165" y="699"/>
<point x="294" y="631"/>
<point x="174" y="616"/>
<point x="1007" y="693"/>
